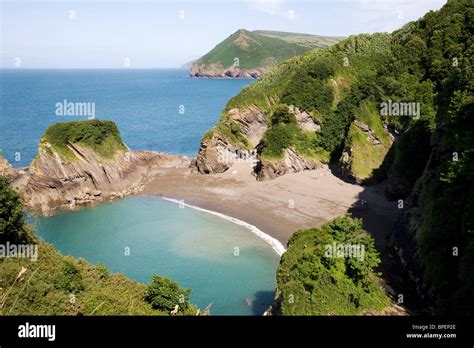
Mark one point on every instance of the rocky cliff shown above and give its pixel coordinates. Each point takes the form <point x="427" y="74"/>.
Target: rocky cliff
<point x="249" y="54"/>
<point x="245" y="54"/>
<point x="83" y="177"/>
<point x="239" y="138"/>
<point x="292" y="162"/>
<point x="220" y="71"/>
<point x="7" y="169"/>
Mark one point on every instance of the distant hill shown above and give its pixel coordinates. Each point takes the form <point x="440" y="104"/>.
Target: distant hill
<point x="305" y="40"/>
<point x="249" y="54"/>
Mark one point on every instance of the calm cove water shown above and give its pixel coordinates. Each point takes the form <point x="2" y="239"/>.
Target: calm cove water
<point x="161" y="110"/>
<point x="195" y="248"/>
<point x="145" y="104"/>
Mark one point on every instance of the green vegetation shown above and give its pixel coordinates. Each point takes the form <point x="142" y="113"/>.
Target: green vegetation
<point x="283" y="133"/>
<point x="320" y="83"/>
<point x="306" y="40"/>
<point x="282" y="114"/>
<point x="428" y="61"/>
<point x="438" y="50"/>
<point x="313" y="282"/>
<point x="165" y="294"/>
<point x="101" y="136"/>
<point x="252" y="49"/>
<point x="61" y="285"/>
<point x="366" y="157"/>
<point x="12" y="222"/>
<point x="277" y="139"/>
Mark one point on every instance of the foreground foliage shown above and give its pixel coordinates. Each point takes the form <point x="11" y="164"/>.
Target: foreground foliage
<point x="62" y="285"/>
<point x="313" y="283"/>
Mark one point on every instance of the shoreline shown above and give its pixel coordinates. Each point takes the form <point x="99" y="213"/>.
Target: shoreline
<point x="280" y="206"/>
<point x="273" y="242"/>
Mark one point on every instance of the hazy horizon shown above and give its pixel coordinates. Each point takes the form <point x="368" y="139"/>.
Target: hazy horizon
<point x="164" y="34"/>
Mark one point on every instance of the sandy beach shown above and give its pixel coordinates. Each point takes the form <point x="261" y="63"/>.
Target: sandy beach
<point x="281" y="206"/>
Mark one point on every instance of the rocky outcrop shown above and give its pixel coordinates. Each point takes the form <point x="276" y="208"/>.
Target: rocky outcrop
<point x="252" y="122"/>
<point x="54" y="182"/>
<point x="306" y="122"/>
<point x="292" y="162"/>
<point x="216" y="153"/>
<point x="211" y="153"/>
<point x="218" y="70"/>
<point x="361" y="158"/>
<point x="7" y="169"/>
<point x="371" y="138"/>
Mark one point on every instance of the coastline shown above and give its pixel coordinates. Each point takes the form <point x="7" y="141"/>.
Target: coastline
<point x="280" y="206"/>
<point x="273" y="242"/>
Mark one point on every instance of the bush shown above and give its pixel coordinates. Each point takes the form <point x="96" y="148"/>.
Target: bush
<point x="277" y="139"/>
<point x="70" y="279"/>
<point x="313" y="283"/>
<point x="101" y="136"/>
<point x="282" y="114"/>
<point x="301" y="92"/>
<point x="12" y="223"/>
<point x="164" y="294"/>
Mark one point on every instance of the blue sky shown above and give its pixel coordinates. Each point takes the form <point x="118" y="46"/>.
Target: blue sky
<point x="153" y="33"/>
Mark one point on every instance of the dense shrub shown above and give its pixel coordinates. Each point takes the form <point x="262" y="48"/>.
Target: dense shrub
<point x="164" y="294"/>
<point x="315" y="283"/>
<point x="12" y="223"/>
<point x="70" y="278"/>
<point x="101" y="136"/>
<point x="282" y="114"/>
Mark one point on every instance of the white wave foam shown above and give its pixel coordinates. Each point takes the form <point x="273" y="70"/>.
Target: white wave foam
<point x="274" y="243"/>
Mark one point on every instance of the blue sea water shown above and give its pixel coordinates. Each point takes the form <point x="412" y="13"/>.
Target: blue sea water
<point x="145" y="104"/>
<point x="195" y="248"/>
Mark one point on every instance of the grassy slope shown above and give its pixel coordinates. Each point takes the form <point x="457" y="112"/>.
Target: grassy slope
<point x="49" y="287"/>
<point x="313" y="284"/>
<point x="252" y="50"/>
<point x="367" y="157"/>
<point x="101" y="136"/>
<point x="41" y="290"/>
<point x="295" y="81"/>
<point x="306" y="40"/>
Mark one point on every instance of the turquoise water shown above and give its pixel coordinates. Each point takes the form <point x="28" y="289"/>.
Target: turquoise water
<point x="145" y="104"/>
<point x="190" y="246"/>
<point x="195" y="248"/>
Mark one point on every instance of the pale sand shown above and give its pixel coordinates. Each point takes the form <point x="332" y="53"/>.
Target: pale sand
<point x="281" y="206"/>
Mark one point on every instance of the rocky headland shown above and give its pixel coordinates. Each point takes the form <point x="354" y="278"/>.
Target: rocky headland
<point x="57" y="179"/>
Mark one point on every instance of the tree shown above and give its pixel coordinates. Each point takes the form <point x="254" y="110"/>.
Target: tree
<point x="12" y="223"/>
<point x="164" y="294"/>
<point x="283" y="115"/>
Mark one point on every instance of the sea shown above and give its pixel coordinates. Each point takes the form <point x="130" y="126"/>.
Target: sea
<point x="228" y="266"/>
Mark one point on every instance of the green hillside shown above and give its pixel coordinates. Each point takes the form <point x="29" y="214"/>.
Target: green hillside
<point x="428" y="62"/>
<point x="313" y="282"/>
<point x="253" y="50"/>
<point x="53" y="284"/>
<point x="306" y="40"/>
<point x="101" y="136"/>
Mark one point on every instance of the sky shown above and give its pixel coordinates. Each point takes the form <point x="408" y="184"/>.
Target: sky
<point x="167" y="34"/>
